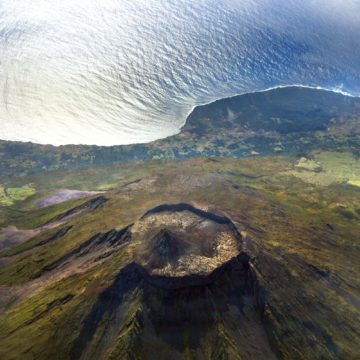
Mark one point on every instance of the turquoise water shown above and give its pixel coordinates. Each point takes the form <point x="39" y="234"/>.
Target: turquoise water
<point x="117" y="72"/>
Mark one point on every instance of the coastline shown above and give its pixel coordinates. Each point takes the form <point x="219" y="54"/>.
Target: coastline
<point x="334" y="90"/>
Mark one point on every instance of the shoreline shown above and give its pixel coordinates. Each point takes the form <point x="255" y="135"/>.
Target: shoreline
<point x="334" y="90"/>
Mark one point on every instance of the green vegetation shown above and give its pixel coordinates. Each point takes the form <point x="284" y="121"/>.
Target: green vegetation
<point x="299" y="257"/>
<point x="9" y="195"/>
<point x="328" y="167"/>
<point x="354" y="182"/>
<point x="281" y="121"/>
<point x="284" y="168"/>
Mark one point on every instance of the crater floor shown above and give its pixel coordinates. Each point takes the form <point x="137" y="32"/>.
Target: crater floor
<point x="181" y="240"/>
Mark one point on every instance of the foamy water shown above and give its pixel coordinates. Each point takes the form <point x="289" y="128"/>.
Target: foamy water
<point x="116" y="72"/>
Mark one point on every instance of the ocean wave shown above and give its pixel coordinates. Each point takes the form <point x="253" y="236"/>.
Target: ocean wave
<point x="108" y="73"/>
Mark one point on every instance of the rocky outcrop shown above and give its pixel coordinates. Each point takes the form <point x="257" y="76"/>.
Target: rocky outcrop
<point x="89" y="205"/>
<point x="91" y="251"/>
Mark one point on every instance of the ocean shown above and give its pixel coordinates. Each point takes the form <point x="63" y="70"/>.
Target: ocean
<point x="111" y="72"/>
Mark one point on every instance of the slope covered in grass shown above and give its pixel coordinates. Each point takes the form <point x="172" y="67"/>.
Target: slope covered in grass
<point x="303" y="253"/>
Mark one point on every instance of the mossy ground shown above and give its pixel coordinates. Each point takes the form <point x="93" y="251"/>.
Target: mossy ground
<point x="328" y="167"/>
<point x="9" y="195"/>
<point x="304" y="234"/>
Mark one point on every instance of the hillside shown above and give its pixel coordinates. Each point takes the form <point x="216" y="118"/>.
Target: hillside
<point x="90" y="283"/>
<point x="249" y="255"/>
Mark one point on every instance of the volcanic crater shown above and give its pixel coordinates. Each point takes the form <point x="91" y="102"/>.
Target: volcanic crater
<point x="182" y="245"/>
